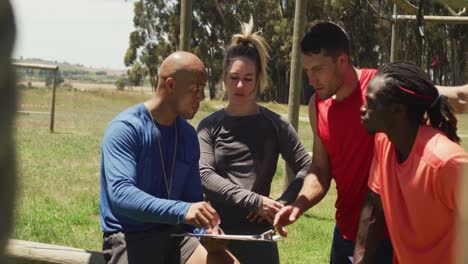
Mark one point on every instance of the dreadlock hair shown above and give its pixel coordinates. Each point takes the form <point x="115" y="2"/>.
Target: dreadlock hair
<point x="252" y="46"/>
<point x="326" y="36"/>
<point x="408" y="84"/>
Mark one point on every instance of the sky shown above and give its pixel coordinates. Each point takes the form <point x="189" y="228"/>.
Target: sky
<point x="90" y="32"/>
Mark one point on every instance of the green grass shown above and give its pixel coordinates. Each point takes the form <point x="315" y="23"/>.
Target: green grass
<point x="58" y="190"/>
<point x="59" y="172"/>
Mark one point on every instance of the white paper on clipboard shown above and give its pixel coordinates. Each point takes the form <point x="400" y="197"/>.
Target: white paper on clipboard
<point x="262" y="237"/>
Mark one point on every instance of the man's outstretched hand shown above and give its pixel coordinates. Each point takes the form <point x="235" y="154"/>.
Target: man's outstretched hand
<point x="286" y="216"/>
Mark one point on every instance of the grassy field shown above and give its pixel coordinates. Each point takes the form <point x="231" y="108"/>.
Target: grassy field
<point x="58" y="190"/>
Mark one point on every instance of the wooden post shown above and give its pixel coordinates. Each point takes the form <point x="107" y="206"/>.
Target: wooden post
<point x="52" y="108"/>
<point x="295" y="80"/>
<point x="8" y="96"/>
<point x="420" y="35"/>
<point x="185" y="24"/>
<point x="393" y="47"/>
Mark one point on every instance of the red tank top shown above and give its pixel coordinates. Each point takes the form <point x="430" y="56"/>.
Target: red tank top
<point x="350" y="149"/>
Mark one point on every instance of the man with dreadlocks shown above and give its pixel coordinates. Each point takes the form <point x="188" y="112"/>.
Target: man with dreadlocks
<point x="416" y="170"/>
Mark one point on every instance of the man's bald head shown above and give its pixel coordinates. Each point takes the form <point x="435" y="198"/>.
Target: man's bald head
<point x="180" y="62"/>
<point x="182" y="78"/>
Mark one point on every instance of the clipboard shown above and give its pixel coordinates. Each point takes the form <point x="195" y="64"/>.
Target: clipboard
<point x="268" y="236"/>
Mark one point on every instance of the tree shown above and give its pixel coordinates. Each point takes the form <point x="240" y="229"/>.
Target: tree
<point x="154" y="37"/>
<point x="157" y="29"/>
<point x="136" y="74"/>
<point x="120" y="83"/>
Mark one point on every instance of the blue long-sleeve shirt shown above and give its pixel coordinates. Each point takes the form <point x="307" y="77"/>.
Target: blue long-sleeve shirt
<point x="133" y="191"/>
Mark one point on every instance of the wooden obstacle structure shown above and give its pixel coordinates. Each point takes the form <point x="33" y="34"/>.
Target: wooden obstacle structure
<point x="52" y="68"/>
<point x="27" y="252"/>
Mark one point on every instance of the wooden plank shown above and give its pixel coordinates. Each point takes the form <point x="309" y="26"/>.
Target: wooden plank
<point x="32" y="112"/>
<point x="49" y="67"/>
<point x="47" y="253"/>
<point x="435" y="19"/>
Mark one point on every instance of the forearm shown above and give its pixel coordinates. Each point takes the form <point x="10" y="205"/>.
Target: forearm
<point x="371" y="224"/>
<point x="292" y="191"/>
<point x="315" y="187"/>
<point x="300" y="165"/>
<point x="224" y="191"/>
<point x="457" y="95"/>
<point x="133" y="203"/>
<point x="453" y="92"/>
<point x="298" y="160"/>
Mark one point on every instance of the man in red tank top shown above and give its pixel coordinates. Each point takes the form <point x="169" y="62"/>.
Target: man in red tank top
<point x="342" y="149"/>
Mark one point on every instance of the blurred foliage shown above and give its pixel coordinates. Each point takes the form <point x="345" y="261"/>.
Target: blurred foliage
<point x="367" y="22"/>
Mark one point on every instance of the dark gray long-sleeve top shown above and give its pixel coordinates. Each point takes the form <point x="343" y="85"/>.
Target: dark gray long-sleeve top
<point x="238" y="161"/>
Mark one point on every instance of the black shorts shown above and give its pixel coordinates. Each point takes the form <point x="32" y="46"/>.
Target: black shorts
<point x="147" y="247"/>
<point x="342" y="250"/>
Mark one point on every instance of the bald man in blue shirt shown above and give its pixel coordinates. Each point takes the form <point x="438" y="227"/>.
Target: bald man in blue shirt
<point x="150" y="179"/>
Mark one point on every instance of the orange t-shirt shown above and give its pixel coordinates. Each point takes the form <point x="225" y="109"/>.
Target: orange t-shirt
<point x="419" y="196"/>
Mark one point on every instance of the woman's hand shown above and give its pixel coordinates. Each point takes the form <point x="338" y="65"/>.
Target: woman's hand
<point x="267" y="211"/>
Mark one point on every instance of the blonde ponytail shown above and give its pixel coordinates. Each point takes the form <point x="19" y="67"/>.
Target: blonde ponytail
<point x="253" y="46"/>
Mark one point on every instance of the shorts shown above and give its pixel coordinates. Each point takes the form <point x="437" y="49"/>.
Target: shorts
<point x="342" y="250"/>
<point x="147" y="247"/>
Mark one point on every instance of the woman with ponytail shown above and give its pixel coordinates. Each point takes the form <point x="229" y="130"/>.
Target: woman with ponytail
<point x="417" y="168"/>
<point x="240" y="146"/>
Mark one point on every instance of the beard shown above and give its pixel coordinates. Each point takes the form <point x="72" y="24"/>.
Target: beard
<point x="187" y="116"/>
